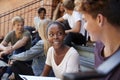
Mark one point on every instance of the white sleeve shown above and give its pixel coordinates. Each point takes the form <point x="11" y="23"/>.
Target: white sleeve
<point x="77" y="16"/>
<point x="49" y="56"/>
<point x="73" y="64"/>
<point x="65" y="17"/>
<point x="34" y="20"/>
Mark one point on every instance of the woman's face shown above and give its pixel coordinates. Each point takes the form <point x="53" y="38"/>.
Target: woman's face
<point x="56" y="36"/>
<point x="61" y="8"/>
<point x="92" y="27"/>
<point x="19" y="27"/>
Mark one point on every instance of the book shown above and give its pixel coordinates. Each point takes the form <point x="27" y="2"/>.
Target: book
<point x="29" y="77"/>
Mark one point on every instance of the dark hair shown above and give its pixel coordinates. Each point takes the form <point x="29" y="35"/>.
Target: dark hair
<point x="69" y="4"/>
<point x="61" y="25"/>
<point x="108" y="8"/>
<point x="41" y="9"/>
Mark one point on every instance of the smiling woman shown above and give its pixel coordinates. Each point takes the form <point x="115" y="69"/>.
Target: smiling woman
<point x="60" y="57"/>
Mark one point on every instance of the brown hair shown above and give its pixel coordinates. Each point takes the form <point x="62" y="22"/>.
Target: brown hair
<point x="17" y="19"/>
<point x="57" y="13"/>
<point x="108" y="8"/>
<point x="69" y="4"/>
<point x="92" y="7"/>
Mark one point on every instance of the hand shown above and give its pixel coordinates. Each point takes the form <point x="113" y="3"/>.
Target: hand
<point x="3" y="53"/>
<point x="8" y="50"/>
<point x="10" y="62"/>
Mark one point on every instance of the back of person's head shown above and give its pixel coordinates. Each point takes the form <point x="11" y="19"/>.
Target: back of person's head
<point x="17" y="19"/>
<point x="69" y="4"/>
<point x="108" y="8"/>
<point x="41" y="9"/>
<point x="42" y="33"/>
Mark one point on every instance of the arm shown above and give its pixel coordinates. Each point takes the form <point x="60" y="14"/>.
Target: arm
<point x="3" y="45"/>
<point x="76" y="28"/>
<point x="4" y="48"/>
<point x="48" y="66"/>
<point x="60" y="19"/>
<point x="73" y="64"/>
<point x="46" y="70"/>
<point x="31" y="53"/>
<point x="20" y="43"/>
<point x="17" y="45"/>
<point x="5" y="42"/>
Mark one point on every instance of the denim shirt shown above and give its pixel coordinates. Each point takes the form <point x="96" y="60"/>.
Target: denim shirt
<point x="35" y="53"/>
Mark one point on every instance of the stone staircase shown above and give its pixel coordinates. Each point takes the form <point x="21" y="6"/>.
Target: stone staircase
<point x="86" y="57"/>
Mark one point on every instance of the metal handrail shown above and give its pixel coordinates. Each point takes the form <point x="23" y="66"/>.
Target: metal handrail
<point x="19" y="8"/>
<point x="27" y="11"/>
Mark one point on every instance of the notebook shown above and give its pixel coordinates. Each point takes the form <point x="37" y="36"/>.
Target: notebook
<point x="27" y="77"/>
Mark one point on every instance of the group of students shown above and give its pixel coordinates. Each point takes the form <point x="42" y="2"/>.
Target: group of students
<point x="54" y="52"/>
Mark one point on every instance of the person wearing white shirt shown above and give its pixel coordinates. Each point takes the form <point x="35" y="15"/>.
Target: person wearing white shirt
<point x="41" y="16"/>
<point x="75" y="34"/>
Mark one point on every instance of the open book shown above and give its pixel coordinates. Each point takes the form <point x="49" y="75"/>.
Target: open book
<point x="27" y="77"/>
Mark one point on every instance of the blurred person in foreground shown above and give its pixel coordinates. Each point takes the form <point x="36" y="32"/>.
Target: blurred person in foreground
<point x="102" y="21"/>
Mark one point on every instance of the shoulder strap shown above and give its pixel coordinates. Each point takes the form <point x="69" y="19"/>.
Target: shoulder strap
<point x="112" y="62"/>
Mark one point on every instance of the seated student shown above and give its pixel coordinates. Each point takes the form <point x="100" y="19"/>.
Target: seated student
<point x="19" y="38"/>
<point x="58" y="12"/>
<point x="102" y="21"/>
<point x="41" y="16"/>
<point x="37" y="53"/>
<point x="60" y="57"/>
<point x="75" y="33"/>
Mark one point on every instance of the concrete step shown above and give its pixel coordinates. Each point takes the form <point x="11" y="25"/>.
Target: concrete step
<point x="86" y="57"/>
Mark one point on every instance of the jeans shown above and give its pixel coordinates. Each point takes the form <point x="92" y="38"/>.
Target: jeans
<point x="10" y="69"/>
<point x="76" y="38"/>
